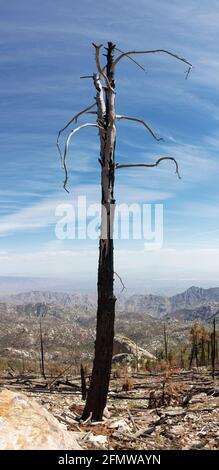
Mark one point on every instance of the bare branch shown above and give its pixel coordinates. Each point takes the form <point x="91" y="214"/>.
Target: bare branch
<point x="149" y="165"/>
<point x="120" y="279"/>
<point x="73" y="119"/>
<point x="64" y="160"/>
<point x="100" y="70"/>
<point x="153" y="51"/>
<point x="133" y="60"/>
<point x="86" y="76"/>
<point x="187" y="72"/>
<point x="127" y="118"/>
<point x="76" y="116"/>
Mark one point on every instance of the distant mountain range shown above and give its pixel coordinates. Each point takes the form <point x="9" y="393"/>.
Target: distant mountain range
<point x="192" y="304"/>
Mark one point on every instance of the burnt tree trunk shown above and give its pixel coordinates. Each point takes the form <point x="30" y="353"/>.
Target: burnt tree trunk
<point x="83" y="384"/>
<point x="191" y="356"/>
<point x="213" y="347"/>
<point x="165" y="342"/>
<point x="203" y="360"/>
<point x="99" y="384"/>
<point x="208" y="350"/>
<point x="182" y="362"/>
<point x="196" y="354"/>
<point x="42" y="364"/>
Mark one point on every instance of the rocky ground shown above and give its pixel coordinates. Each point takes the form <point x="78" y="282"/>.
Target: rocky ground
<point x="147" y="409"/>
<point x="172" y="410"/>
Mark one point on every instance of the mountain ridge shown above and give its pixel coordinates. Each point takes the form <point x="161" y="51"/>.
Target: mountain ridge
<point x="185" y="305"/>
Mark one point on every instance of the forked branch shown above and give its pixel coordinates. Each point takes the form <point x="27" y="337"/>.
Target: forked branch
<point x="64" y="159"/>
<point x="149" y="165"/>
<point x="101" y="70"/>
<point x="141" y="121"/>
<point x="153" y="51"/>
<point x="74" y="119"/>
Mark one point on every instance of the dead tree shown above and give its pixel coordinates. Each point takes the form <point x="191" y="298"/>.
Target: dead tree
<point x="208" y="351"/>
<point x="213" y="347"/>
<point x="165" y="342"/>
<point x="195" y="336"/>
<point x="106" y="119"/>
<point x="191" y="356"/>
<point x="182" y="357"/>
<point x="42" y="362"/>
<point x="203" y="361"/>
<point x="203" y="343"/>
<point x="83" y="384"/>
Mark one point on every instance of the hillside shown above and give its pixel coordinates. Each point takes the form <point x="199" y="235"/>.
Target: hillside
<point x="69" y="321"/>
<point x="203" y="313"/>
<point x="69" y="335"/>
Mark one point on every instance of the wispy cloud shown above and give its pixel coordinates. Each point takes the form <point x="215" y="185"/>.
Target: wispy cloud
<point x="45" y="47"/>
<point x="42" y="214"/>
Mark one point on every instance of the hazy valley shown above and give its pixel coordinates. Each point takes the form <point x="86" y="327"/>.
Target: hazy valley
<point x="69" y="320"/>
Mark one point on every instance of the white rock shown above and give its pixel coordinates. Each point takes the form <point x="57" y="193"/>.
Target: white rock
<point x="24" y="424"/>
<point x="121" y="423"/>
<point x="177" y="430"/>
<point x="98" y="440"/>
<point x="200" y="397"/>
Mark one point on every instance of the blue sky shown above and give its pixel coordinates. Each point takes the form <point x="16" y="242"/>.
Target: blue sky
<point x="45" y="47"/>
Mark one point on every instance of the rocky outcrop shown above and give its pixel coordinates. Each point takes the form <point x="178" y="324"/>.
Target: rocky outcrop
<point x="154" y="305"/>
<point x="203" y="313"/>
<point x="24" y="424"/>
<point x="124" y="345"/>
<point x="122" y="359"/>
<point x="195" y="297"/>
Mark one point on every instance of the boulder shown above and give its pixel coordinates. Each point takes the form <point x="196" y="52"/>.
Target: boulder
<point x="123" y="359"/>
<point x="26" y="425"/>
<point x="124" y="345"/>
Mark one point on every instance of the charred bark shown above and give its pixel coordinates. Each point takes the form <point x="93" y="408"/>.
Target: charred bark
<point x="213" y="348"/>
<point x="42" y="363"/>
<point x="208" y="351"/>
<point x="99" y="384"/>
<point x="203" y="359"/>
<point x="83" y="384"/>
<point x="191" y="356"/>
<point x="165" y="342"/>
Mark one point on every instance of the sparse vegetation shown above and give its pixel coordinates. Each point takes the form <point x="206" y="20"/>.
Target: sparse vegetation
<point x="146" y="395"/>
